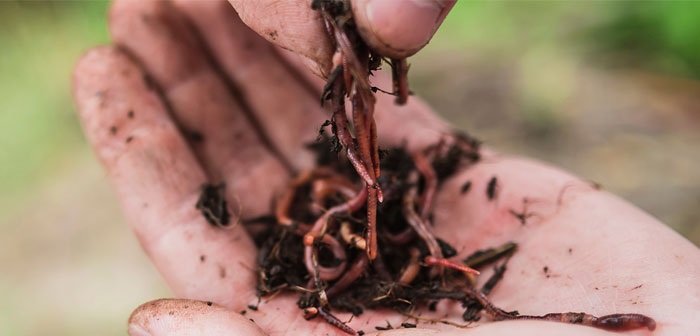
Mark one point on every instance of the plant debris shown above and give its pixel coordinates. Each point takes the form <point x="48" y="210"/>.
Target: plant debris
<point x="212" y="204"/>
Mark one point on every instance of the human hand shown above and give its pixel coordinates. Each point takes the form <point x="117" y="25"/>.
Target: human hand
<point x="393" y="28"/>
<point x="187" y="123"/>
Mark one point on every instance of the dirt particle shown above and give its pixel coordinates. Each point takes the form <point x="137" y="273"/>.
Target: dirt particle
<point x="272" y="35"/>
<point x="492" y="188"/>
<point x="243" y="312"/>
<point x="465" y="187"/>
<point x="195" y="136"/>
<point x="408" y="325"/>
<point x="388" y="327"/>
<point x="637" y="287"/>
<point x="148" y="81"/>
<point x="546" y="271"/>
<point x="360" y="332"/>
<point x="202" y="258"/>
<point x="129" y="138"/>
<point x="209" y="303"/>
<point x="253" y="307"/>
<point x="130" y="114"/>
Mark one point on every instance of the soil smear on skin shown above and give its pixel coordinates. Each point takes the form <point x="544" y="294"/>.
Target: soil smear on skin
<point x="355" y="233"/>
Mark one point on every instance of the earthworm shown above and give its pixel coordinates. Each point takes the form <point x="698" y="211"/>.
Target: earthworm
<point x="312" y="312"/>
<point x="361" y="112"/>
<point x="321" y="224"/>
<point x="340" y="125"/>
<point x="338" y="251"/>
<point x="323" y="188"/>
<point x="415" y="221"/>
<point x="358" y="266"/>
<point x="616" y="322"/>
<point x="426" y="169"/>
<point x="433" y="261"/>
<point x="371" y="235"/>
<point x="399" y="71"/>
<point x="402" y="237"/>
<point x="284" y="203"/>
<point x="412" y="269"/>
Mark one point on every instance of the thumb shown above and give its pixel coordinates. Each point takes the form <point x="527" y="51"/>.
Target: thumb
<point x="399" y="28"/>
<point x="188" y="317"/>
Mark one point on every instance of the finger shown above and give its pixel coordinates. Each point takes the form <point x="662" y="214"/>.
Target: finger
<point x="171" y="317"/>
<point x="287" y="113"/>
<point x="291" y="25"/>
<point x="229" y="148"/>
<point x="399" y="28"/>
<point x="158" y="181"/>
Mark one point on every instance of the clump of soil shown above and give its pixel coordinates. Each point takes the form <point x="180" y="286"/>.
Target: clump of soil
<point x="355" y="232"/>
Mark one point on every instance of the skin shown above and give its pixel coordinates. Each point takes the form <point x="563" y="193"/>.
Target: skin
<point x="256" y="110"/>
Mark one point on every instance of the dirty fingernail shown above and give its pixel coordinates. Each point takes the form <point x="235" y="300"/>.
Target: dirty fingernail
<point x="405" y="24"/>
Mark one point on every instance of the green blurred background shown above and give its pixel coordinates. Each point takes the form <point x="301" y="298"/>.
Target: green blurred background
<point x="607" y="90"/>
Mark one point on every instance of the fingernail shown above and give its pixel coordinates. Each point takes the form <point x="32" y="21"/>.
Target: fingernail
<point x="137" y="330"/>
<point x="404" y="24"/>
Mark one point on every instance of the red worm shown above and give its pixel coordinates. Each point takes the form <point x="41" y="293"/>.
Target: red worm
<point x="615" y="322"/>
<point x="399" y="70"/>
<point x="341" y="125"/>
<point x="285" y="202"/>
<point x="402" y="237"/>
<point x="433" y="261"/>
<point x="426" y="169"/>
<point x="355" y="270"/>
<point x="321" y="223"/>
<point x="415" y="221"/>
<point x="326" y="273"/>
<point x="411" y="271"/>
<point x="312" y="312"/>
<point x="324" y="188"/>
<point x="371" y="237"/>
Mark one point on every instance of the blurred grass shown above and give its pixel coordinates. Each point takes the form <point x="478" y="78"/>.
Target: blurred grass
<point x="40" y="43"/>
<point x="605" y="89"/>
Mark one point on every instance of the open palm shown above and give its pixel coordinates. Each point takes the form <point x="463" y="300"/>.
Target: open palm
<point x="190" y="95"/>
